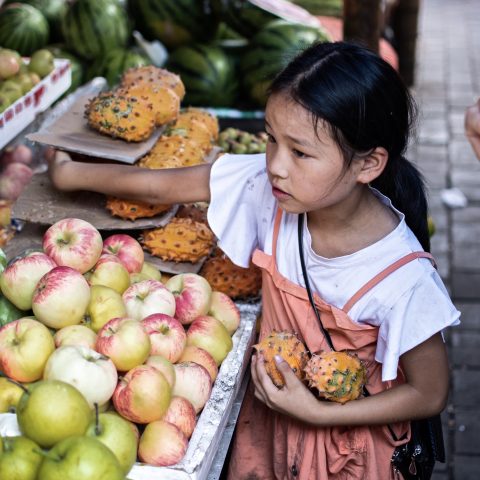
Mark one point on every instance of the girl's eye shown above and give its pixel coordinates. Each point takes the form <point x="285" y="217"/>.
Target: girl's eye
<point x="298" y="153"/>
<point x="270" y="138"/>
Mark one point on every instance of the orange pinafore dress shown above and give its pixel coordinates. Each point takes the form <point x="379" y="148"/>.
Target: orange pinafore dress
<point x="269" y="445"/>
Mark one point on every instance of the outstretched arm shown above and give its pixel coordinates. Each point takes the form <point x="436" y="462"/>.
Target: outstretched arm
<point x="164" y="186"/>
<point x="472" y="127"/>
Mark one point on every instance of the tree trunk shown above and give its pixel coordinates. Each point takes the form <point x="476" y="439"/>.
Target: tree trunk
<point x="361" y="22"/>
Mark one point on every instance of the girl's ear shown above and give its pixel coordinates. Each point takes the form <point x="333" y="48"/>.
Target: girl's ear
<point x="373" y="165"/>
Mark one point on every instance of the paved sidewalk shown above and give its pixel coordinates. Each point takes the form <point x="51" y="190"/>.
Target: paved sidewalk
<point x="447" y="81"/>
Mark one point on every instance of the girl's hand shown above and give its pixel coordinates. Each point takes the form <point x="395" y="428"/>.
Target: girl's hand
<point x="293" y="399"/>
<point x="472" y="127"/>
<point x="57" y="165"/>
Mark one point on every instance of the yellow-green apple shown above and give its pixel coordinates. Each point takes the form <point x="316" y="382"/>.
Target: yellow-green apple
<point x="117" y="434"/>
<point x="20" y="458"/>
<point x="151" y="271"/>
<point x="162" y="444"/>
<point x="164" y="365"/>
<point x="75" y="335"/>
<point x="125" y="342"/>
<point x="72" y="242"/>
<point x="127" y="249"/>
<point x="192" y="296"/>
<point x="191" y="353"/>
<point x="80" y="458"/>
<point x="110" y="272"/>
<point x="142" y="395"/>
<point x="50" y="411"/>
<point x="193" y="382"/>
<point x="138" y="277"/>
<point x="182" y="414"/>
<point x="223" y="308"/>
<point x="90" y="372"/>
<point x="105" y="304"/>
<point x="25" y="345"/>
<point x="10" y="394"/>
<point x="145" y="298"/>
<point x="167" y="335"/>
<point x="61" y="297"/>
<point x="18" y="281"/>
<point x="210" y="334"/>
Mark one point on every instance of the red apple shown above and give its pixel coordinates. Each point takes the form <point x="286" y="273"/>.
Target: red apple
<point x="18" y="281"/>
<point x="191" y="353"/>
<point x="167" y="335"/>
<point x="61" y="297"/>
<point x="142" y="395"/>
<point x="145" y="298"/>
<point x="223" y="308"/>
<point x="110" y="272"/>
<point x="164" y="366"/>
<point x="127" y="249"/>
<point x="125" y="342"/>
<point x="193" y="382"/>
<point x="74" y="243"/>
<point x="75" y="335"/>
<point x="182" y="414"/>
<point x="20" y="153"/>
<point x="162" y="444"/>
<point x="192" y="296"/>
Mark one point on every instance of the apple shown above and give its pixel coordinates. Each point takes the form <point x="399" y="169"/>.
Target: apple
<point x="127" y="249"/>
<point x="50" y="411"/>
<point x="164" y="366"/>
<point x="223" y="308"/>
<point x="151" y="271"/>
<point x="109" y="271"/>
<point x="105" y="304"/>
<point x="41" y="62"/>
<point x="142" y="395"/>
<point x="61" y="297"/>
<point x="138" y="277"/>
<point x="74" y="243"/>
<point x="80" y="458"/>
<point x="181" y="413"/>
<point x="167" y="335"/>
<point x="75" y="335"/>
<point x="117" y="434"/>
<point x="25" y="345"/>
<point x="191" y="353"/>
<point x="90" y="372"/>
<point x="162" y="444"/>
<point x="210" y="334"/>
<point x="125" y="342"/>
<point x="18" y="281"/>
<point x="20" y="458"/>
<point x="193" y="382"/>
<point x="10" y="394"/>
<point x="192" y="296"/>
<point x="145" y="298"/>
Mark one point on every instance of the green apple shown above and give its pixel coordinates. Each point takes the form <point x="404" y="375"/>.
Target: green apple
<point x="12" y="89"/>
<point x="80" y="458"/>
<point x="41" y="62"/>
<point x="20" y="459"/>
<point x="117" y="434"/>
<point x="5" y="102"/>
<point x="151" y="271"/>
<point x="25" y="81"/>
<point x="10" y="394"/>
<point x="52" y="410"/>
<point x="105" y="304"/>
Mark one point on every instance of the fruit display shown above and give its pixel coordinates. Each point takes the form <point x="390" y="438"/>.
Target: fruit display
<point x="234" y="140"/>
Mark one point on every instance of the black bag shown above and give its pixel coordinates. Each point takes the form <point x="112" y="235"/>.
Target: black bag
<point x="416" y="458"/>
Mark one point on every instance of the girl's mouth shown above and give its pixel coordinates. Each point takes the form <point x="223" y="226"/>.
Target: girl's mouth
<point x="280" y="194"/>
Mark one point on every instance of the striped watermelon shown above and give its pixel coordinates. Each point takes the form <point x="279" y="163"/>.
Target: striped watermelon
<point x="23" y="28"/>
<point x="77" y="66"/>
<point x="270" y="50"/>
<point x="94" y="27"/>
<point x="333" y="8"/>
<point x="208" y="74"/>
<point x="174" y="22"/>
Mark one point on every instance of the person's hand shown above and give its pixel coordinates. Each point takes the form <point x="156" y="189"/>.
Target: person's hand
<point x="57" y="162"/>
<point x="472" y="127"/>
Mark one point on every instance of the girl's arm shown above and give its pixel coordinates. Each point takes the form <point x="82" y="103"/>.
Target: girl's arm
<point x="168" y="186"/>
<point x="423" y="395"/>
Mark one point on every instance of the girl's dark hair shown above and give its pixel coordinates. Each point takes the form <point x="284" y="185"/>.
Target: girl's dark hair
<point x="365" y="105"/>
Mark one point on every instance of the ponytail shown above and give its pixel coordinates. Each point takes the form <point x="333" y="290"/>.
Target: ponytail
<point x="404" y="185"/>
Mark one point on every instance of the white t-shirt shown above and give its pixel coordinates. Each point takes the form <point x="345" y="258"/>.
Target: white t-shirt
<point x="408" y="306"/>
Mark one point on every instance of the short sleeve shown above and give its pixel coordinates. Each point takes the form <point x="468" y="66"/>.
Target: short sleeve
<point x="238" y="196"/>
<point x="417" y="315"/>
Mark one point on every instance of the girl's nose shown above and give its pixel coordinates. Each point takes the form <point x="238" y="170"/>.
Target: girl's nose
<point x="276" y="161"/>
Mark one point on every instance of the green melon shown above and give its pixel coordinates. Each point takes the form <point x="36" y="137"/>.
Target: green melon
<point x="208" y="74"/>
<point x="77" y="66"/>
<point x="23" y="28"/>
<point x="94" y="27"/>
<point x="270" y="51"/>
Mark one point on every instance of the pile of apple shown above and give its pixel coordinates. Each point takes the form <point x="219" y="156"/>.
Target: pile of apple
<point x="102" y="332"/>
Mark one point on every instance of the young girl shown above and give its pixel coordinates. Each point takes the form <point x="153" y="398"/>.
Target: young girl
<point x="338" y="121"/>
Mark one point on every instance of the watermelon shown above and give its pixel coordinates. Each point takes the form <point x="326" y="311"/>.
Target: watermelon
<point x="8" y="311"/>
<point x="174" y="22"/>
<point x="332" y="8"/>
<point x="270" y="50"/>
<point x="208" y="74"/>
<point x="23" y="28"/>
<point x="77" y="66"/>
<point x="94" y="27"/>
<point x="115" y="62"/>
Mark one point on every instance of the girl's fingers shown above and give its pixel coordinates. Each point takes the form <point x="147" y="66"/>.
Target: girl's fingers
<point x="284" y="368"/>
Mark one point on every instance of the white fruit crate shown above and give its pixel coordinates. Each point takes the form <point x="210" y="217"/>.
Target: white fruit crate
<point x="21" y="113"/>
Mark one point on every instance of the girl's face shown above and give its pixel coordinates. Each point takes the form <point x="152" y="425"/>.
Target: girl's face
<point x="305" y="168"/>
